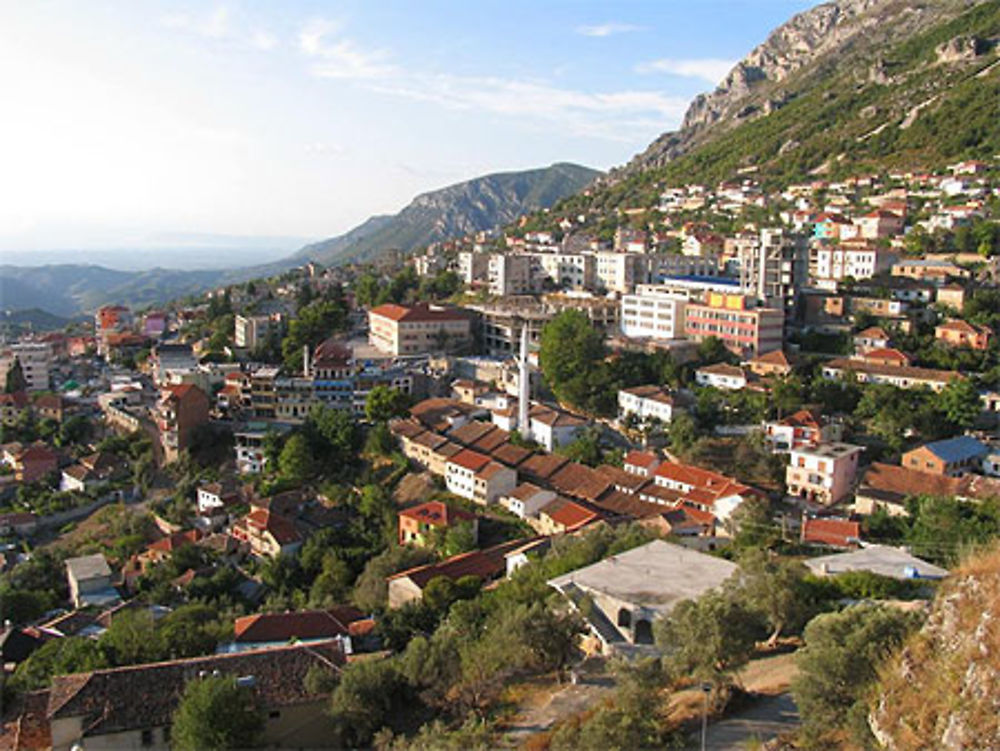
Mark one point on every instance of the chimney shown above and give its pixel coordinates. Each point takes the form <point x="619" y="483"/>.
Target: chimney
<point x="524" y="387"/>
<point x="305" y="360"/>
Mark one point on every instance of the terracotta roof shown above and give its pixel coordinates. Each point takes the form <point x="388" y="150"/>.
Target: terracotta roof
<point x="511" y="455"/>
<point x="491" y="469"/>
<point x="144" y="696"/>
<point x="568" y="514"/>
<point x="486" y="564"/>
<point x="774" y="357"/>
<point x="469" y="459"/>
<point x="579" y="480"/>
<point x="280" y="527"/>
<point x="919" y="374"/>
<point x="491" y="441"/>
<point x="556" y="418"/>
<point x="890" y="482"/>
<point x="471" y="432"/>
<point x="303" y="624"/>
<point x="18" y="400"/>
<point x="872" y="332"/>
<point x="886" y="353"/>
<point x="437" y="514"/>
<point x="437" y="414"/>
<point x="175" y="541"/>
<point x="841" y="533"/>
<point x="406" y="428"/>
<point x="723" y="369"/>
<point x="964" y="327"/>
<point x="421" y="312"/>
<point x="181" y="391"/>
<point x="525" y="491"/>
<point x="804" y="418"/>
<point x="622" y="480"/>
<point x="646" y="459"/>
<point x="541" y="467"/>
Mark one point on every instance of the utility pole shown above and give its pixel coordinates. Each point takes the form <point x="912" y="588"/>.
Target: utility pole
<point x="706" y="689"/>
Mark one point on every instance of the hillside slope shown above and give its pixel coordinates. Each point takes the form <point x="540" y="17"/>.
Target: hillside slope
<point x="468" y="207"/>
<point x="943" y="690"/>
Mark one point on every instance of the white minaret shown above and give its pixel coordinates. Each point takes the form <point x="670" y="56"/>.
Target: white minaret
<point x="305" y="360"/>
<point x="523" y="387"/>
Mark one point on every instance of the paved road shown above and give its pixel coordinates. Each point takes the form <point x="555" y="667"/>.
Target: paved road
<point x="762" y="721"/>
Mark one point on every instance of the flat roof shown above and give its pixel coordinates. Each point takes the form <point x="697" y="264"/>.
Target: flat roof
<point x="879" y="559"/>
<point x="657" y="575"/>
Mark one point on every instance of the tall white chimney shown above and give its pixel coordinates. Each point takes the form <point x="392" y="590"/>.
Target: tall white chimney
<point x="523" y="387"/>
<point x="305" y="360"/>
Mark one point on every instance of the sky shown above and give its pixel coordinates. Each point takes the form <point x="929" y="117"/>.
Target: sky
<point x="153" y="124"/>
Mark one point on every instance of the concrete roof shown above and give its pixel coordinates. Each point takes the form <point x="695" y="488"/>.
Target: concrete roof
<point x="88" y="566"/>
<point x="878" y="559"/>
<point x="656" y="575"/>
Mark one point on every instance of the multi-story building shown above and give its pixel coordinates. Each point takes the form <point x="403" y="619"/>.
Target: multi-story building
<point x="251" y="331"/>
<point x="415" y="523"/>
<point x="653" y="314"/>
<point x="36" y="363"/>
<point x="179" y="412"/>
<point x="619" y="272"/>
<point x="565" y="270"/>
<point x="665" y="265"/>
<point x="419" y="329"/>
<point x="647" y="402"/>
<point x="776" y="269"/>
<point x="475" y="476"/>
<point x="824" y="473"/>
<point x="960" y="333"/>
<point x="878" y="224"/>
<point x="744" y="329"/>
<point x="831" y="264"/>
<point x="510" y="274"/>
<point x="472" y="267"/>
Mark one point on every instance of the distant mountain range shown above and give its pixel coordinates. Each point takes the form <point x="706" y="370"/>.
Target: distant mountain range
<point x="483" y="203"/>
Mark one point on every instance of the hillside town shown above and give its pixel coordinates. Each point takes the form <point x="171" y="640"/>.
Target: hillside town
<point x="572" y="426"/>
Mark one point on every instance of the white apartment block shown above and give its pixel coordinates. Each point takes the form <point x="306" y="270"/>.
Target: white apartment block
<point x="824" y="473"/>
<point x="473" y="266"/>
<point x="419" y="329"/>
<point x="510" y="274"/>
<point x="567" y="270"/>
<point x="619" y="272"/>
<point x="249" y="331"/>
<point x="836" y="263"/>
<point x="653" y="315"/>
<point x="36" y="363"/>
<point x="646" y="402"/>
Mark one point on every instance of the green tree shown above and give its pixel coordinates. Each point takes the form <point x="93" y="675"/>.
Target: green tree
<point x="708" y="638"/>
<point x="296" y="461"/>
<point x="384" y="403"/>
<point x="571" y="349"/>
<point x="132" y="638"/>
<point x="72" y="654"/>
<point x="215" y="713"/>
<point x="370" y="694"/>
<point x="774" y="588"/>
<point x="840" y="662"/>
<point x="15" y="380"/>
<point x="371" y="591"/>
<point x="960" y="403"/>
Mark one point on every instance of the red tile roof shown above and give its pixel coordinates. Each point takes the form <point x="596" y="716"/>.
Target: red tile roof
<point x="840" y="533"/>
<point x="422" y="312"/>
<point x="437" y="514"/>
<point x="644" y="459"/>
<point x="469" y="459"/>
<point x="568" y="514"/>
<point x="303" y="624"/>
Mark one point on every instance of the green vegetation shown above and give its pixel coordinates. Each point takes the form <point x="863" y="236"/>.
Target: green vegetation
<point x="215" y="714"/>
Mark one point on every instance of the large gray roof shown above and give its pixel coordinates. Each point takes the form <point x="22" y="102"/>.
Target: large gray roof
<point x="878" y="559"/>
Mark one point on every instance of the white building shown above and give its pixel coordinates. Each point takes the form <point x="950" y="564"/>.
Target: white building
<point x="619" y="272"/>
<point x="526" y="500"/>
<point x="553" y="427"/>
<point x="653" y="314"/>
<point x="35" y="359"/>
<point x="472" y="266"/>
<point x="721" y="376"/>
<point x="509" y="274"/>
<point x="250" y="331"/>
<point x="478" y="478"/>
<point x="836" y="263"/>
<point x="646" y="402"/>
<point x="824" y="473"/>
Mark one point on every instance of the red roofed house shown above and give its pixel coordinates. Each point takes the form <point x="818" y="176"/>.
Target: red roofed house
<point x="963" y="334"/>
<point x="872" y="338"/>
<point x="31" y="463"/>
<point x="879" y="223"/>
<point x="803" y="428"/>
<point x="179" y="412"/>
<point x="704" y="489"/>
<point x="837" y="533"/>
<point x="268" y="534"/>
<point x="11" y="406"/>
<point x="417" y="521"/>
<point x="270" y="630"/>
<point x="885" y="356"/>
<point x="418" y="329"/>
<point x="642" y="463"/>
<point x="475" y="476"/>
<point x="563" y="515"/>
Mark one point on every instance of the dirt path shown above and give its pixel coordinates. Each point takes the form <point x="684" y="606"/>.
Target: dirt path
<point x="763" y="720"/>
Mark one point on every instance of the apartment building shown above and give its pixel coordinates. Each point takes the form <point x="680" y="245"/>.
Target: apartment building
<point x="473" y="266"/>
<point x="651" y="314"/>
<point x="36" y="363"/>
<point x="510" y="274"/>
<point x="619" y="272"/>
<point x="419" y="329"/>
<point x="831" y="264"/>
<point x="179" y="412"/>
<point x="824" y="473"/>
<point x="251" y="331"/>
<point x="565" y="270"/>
<point x="475" y="476"/>
<point x="744" y="329"/>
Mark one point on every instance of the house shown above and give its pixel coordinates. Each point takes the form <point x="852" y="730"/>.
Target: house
<point x="89" y="578"/>
<point x="418" y="329"/>
<point x="824" y="473"/>
<point x="49" y="407"/>
<point x="271" y="630"/>
<point x="803" y="428"/>
<point x="878" y="224"/>
<point x="960" y="333"/>
<point x="181" y="410"/>
<point x="952" y="456"/>
<point x="553" y="427"/>
<point x="700" y="488"/>
<point x="888" y="487"/>
<point x="133" y="706"/>
<point x="94" y="471"/>
<point x="627" y="592"/>
<point x="477" y="477"/>
<point x="415" y="523"/>
<point x="876" y="559"/>
<point x="485" y="565"/>
<point x="642" y="463"/>
<point x="836" y="533"/>
<point x="721" y="376"/>
<point x="884" y="356"/>
<point x="526" y="500"/>
<point x="646" y="403"/>
<point x="12" y="405"/>
<point x="30" y="463"/>
<point x="952" y="296"/>
<point x="872" y="338"/>
<point x="563" y="515"/>
<point x="904" y="377"/>
<point x="932" y="270"/>
<point x="268" y="533"/>
<point x="214" y="497"/>
<point x="773" y="363"/>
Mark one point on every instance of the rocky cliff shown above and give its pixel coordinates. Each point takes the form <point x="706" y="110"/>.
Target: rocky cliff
<point x="831" y="36"/>
<point x="943" y="690"/>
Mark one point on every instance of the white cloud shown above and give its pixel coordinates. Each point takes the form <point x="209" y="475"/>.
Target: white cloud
<point x="218" y="25"/>
<point x="711" y="69"/>
<point x="607" y="29"/>
<point x="340" y="57"/>
<point x="263" y="41"/>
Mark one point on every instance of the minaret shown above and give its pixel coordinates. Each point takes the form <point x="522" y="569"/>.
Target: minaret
<point x="523" y="387"/>
<point x="305" y="360"/>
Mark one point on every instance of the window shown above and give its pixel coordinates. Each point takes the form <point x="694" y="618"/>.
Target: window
<point x="147" y="737"/>
<point x="274" y="714"/>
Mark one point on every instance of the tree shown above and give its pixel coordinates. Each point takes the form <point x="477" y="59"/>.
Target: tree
<point x="751" y="525"/>
<point x="296" y="461"/>
<point x="774" y="588"/>
<point x="840" y="661"/>
<point x="384" y="403"/>
<point x="337" y="432"/>
<point x="960" y="403"/>
<point x="369" y="694"/>
<point x="370" y="590"/>
<point x="72" y="654"/>
<point x="570" y="350"/>
<point x="132" y="638"/>
<point x="709" y="637"/>
<point x="215" y="713"/>
<point x="586" y="449"/>
<point x="15" y="379"/>
<point x="712" y="350"/>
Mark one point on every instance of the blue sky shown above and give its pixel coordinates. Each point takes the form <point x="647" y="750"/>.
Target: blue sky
<point x="127" y="122"/>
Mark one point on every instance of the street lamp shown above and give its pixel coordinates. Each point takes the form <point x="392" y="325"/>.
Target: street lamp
<point x="706" y="689"/>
